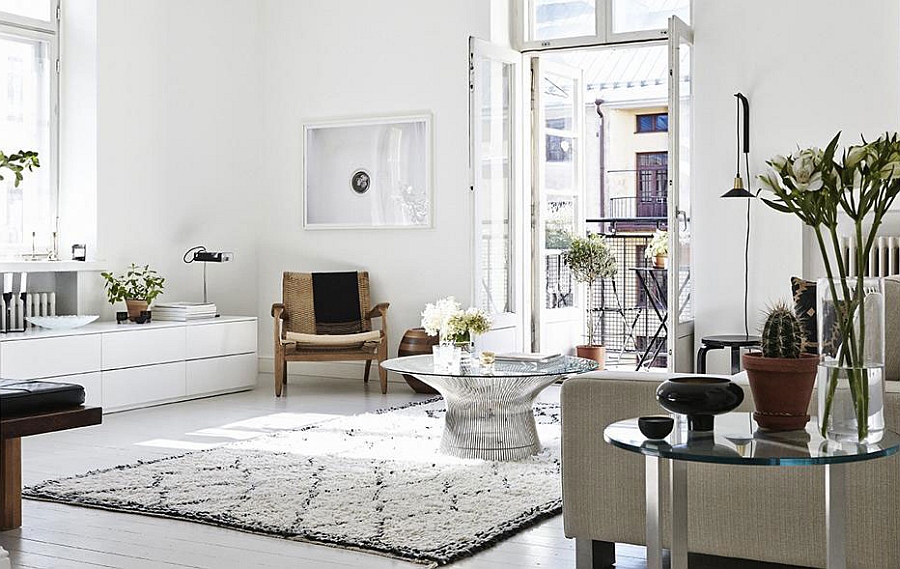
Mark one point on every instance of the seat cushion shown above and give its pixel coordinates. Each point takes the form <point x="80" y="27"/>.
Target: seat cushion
<point x="347" y="341"/>
<point x="19" y="397"/>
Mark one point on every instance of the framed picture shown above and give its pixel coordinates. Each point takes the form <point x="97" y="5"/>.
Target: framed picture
<point x="368" y="173"/>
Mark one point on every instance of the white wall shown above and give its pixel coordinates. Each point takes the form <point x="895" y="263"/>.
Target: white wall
<point x="336" y="58"/>
<point x="178" y="141"/>
<point x="809" y="69"/>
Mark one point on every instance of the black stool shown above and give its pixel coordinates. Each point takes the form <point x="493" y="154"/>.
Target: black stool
<point x="733" y="341"/>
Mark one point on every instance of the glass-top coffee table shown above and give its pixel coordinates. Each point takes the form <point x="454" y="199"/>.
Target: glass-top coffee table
<point x="736" y="440"/>
<point x="489" y="408"/>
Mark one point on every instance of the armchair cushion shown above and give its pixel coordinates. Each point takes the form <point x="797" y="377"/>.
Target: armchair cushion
<point x="348" y="341"/>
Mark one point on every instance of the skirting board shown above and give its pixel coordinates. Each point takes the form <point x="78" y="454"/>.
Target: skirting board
<point x="340" y="370"/>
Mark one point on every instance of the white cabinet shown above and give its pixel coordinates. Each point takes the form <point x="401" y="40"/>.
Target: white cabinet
<point x="129" y="366"/>
<point x="136" y="386"/>
<point x="49" y="357"/>
<point x="143" y="347"/>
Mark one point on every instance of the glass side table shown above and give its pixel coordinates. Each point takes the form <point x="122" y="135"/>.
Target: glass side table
<point x="736" y="440"/>
<point x="489" y="408"/>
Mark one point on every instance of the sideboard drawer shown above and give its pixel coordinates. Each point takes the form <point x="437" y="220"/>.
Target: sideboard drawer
<point x="133" y="387"/>
<point x="91" y="382"/>
<point x="214" y="339"/>
<point x="49" y="357"/>
<point x="142" y="347"/>
<point x="213" y="375"/>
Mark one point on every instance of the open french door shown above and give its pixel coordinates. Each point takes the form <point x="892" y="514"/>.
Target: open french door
<point x="496" y="156"/>
<point x="680" y="276"/>
<point x="557" y="204"/>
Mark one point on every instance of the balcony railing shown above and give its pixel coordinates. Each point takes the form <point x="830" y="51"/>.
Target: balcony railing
<point x="632" y="207"/>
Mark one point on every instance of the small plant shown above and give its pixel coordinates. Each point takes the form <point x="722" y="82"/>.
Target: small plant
<point x="658" y="245"/>
<point x="590" y="259"/>
<point x="138" y="283"/>
<point x="782" y="335"/>
<point x="19" y="161"/>
<point x="447" y="318"/>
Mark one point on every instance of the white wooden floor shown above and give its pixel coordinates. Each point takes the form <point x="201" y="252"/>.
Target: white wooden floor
<point x="54" y="535"/>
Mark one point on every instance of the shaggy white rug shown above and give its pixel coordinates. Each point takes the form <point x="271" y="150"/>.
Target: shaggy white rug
<point x="373" y="482"/>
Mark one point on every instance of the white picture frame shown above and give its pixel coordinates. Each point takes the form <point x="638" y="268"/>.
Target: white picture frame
<point x="368" y="173"/>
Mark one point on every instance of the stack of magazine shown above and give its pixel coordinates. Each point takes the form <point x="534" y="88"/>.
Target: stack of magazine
<point x="183" y="311"/>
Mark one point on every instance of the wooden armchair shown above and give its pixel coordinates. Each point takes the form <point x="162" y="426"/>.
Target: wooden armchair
<point x="327" y="317"/>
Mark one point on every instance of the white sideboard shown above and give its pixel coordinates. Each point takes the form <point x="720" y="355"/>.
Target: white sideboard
<point x="127" y="366"/>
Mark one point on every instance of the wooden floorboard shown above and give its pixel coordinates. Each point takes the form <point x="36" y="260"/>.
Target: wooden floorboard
<point x="61" y="536"/>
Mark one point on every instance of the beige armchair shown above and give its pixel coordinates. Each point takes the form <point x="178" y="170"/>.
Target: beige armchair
<point x="327" y="317"/>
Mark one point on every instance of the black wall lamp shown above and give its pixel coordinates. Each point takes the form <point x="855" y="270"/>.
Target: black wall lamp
<point x="739" y="191"/>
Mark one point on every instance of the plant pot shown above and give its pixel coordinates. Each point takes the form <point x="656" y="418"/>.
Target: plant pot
<point x="417" y="342"/>
<point x="781" y="389"/>
<point x="596" y="353"/>
<point x="135" y="307"/>
<point x="661" y="261"/>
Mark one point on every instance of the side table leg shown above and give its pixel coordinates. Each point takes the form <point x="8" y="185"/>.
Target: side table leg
<point x="735" y="359"/>
<point x="678" y="494"/>
<point x="835" y="515"/>
<point x="10" y="483"/>
<point x="653" y="492"/>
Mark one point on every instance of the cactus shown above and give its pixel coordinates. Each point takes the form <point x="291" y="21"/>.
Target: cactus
<point x="782" y="335"/>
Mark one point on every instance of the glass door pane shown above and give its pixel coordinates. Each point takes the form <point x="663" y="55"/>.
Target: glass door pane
<point x="496" y="154"/>
<point x="37" y="9"/>
<point x="558" y="200"/>
<point x="642" y="15"/>
<point x="555" y="19"/>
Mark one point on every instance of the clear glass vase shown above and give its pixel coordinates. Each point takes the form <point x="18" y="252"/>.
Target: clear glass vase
<point x="850" y="315"/>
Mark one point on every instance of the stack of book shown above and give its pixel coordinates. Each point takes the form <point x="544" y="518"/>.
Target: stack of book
<point x="183" y="311"/>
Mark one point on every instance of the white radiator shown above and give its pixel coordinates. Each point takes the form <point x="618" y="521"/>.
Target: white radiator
<point x="884" y="259"/>
<point x="36" y="304"/>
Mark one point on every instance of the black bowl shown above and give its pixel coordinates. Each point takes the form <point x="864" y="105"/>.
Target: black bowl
<point x="700" y="398"/>
<point x="655" y="427"/>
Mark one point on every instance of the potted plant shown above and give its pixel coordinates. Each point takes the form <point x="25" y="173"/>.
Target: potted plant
<point x="591" y="260"/>
<point x="782" y="375"/>
<point x="138" y="287"/>
<point x="447" y="319"/>
<point x="658" y="249"/>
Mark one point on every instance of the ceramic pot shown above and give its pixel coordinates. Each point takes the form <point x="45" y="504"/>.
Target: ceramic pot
<point x="661" y="261"/>
<point x="781" y="389"/>
<point x="417" y="342"/>
<point x="596" y="353"/>
<point x="135" y="307"/>
<point x="700" y="398"/>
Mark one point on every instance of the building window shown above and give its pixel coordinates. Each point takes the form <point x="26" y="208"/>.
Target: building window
<point x="656" y="122"/>
<point x="29" y="48"/>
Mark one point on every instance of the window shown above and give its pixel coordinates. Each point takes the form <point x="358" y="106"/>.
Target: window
<point x="29" y="44"/>
<point x="566" y="23"/>
<point x="657" y="122"/>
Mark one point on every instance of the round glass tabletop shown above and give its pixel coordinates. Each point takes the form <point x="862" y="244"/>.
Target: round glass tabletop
<point x="424" y="365"/>
<point x="737" y="440"/>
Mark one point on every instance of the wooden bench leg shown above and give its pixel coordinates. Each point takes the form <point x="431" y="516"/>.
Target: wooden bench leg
<point x="10" y="483"/>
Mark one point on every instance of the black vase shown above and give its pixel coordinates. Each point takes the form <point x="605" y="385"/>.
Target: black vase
<point x="700" y="398"/>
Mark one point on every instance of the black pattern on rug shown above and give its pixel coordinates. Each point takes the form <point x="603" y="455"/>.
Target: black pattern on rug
<point x="332" y="483"/>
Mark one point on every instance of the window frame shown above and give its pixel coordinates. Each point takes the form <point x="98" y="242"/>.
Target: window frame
<point x="523" y="22"/>
<point x="48" y="31"/>
<point x="654" y="129"/>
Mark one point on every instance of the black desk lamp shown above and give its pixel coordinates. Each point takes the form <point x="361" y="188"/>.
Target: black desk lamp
<point x="738" y="190"/>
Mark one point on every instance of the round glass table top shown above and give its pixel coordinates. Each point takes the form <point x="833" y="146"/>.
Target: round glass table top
<point x="424" y="365"/>
<point x="736" y="439"/>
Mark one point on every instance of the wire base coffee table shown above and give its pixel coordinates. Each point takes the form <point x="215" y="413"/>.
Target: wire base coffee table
<point x="490" y="412"/>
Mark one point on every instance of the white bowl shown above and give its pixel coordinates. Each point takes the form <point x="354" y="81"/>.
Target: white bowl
<point x="62" y="322"/>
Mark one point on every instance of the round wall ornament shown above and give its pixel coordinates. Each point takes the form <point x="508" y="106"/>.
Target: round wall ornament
<point x="360" y="182"/>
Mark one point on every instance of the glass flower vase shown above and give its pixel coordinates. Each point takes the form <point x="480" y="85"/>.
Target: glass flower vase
<point x="850" y="313"/>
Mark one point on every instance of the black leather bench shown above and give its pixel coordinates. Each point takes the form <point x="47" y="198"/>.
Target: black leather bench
<point x="32" y="408"/>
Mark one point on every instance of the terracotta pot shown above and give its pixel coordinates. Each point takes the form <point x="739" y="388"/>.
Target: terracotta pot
<point x="596" y="353"/>
<point x="781" y="389"/>
<point x="417" y="342"/>
<point x="134" y="308"/>
<point x="661" y="261"/>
